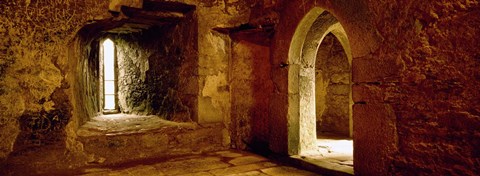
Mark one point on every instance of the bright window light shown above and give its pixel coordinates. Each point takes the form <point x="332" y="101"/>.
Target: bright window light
<point x="109" y="74"/>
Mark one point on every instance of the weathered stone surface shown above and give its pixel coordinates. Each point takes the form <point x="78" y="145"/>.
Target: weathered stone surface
<point x="196" y="165"/>
<point x="250" y="173"/>
<point x="379" y="122"/>
<point x="115" y="5"/>
<point x="286" y="171"/>
<point x="198" y="174"/>
<point x="149" y="137"/>
<point x="229" y="154"/>
<point x="191" y="166"/>
<point x="408" y="58"/>
<point x="250" y="90"/>
<point x="34" y="91"/>
<point x="246" y="160"/>
<point x="415" y="70"/>
<point x="242" y="168"/>
<point x="42" y="69"/>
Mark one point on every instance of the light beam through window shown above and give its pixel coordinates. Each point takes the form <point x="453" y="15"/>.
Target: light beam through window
<point x="109" y="74"/>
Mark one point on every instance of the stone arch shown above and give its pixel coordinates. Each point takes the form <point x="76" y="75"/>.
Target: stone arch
<point x="301" y="76"/>
<point x="370" y="146"/>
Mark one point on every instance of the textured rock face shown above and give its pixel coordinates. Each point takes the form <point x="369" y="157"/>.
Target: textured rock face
<point x="415" y="71"/>
<point x="46" y="90"/>
<point x="415" y="75"/>
<point x="250" y="89"/>
<point x="434" y="48"/>
<point x="156" y="71"/>
<point x="34" y="96"/>
<point x="133" y="64"/>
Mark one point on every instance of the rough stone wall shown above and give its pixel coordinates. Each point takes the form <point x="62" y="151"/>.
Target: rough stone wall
<point x="155" y="69"/>
<point x="428" y="67"/>
<point x="332" y="88"/>
<point x="34" y="93"/>
<point x="87" y="76"/>
<point x="132" y="61"/>
<point x="177" y="62"/>
<point x="43" y="98"/>
<point x="415" y="70"/>
<point x="214" y="55"/>
<point x="250" y="89"/>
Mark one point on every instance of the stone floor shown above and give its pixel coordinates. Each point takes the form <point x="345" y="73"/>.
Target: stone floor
<point x="230" y="162"/>
<point x="334" y="154"/>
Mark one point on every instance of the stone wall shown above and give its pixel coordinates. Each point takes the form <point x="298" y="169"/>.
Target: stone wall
<point x="34" y="97"/>
<point x="156" y="71"/>
<point x="250" y="89"/>
<point x="132" y="61"/>
<point x="428" y="69"/>
<point x="415" y="74"/>
<point x="43" y="95"/>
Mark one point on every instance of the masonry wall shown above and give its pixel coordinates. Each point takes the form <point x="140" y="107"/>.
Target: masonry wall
<point x="35" y="94"/>
<point x="157" y="71"/>
<point x="42" y="97"/>
<point x="250" y="89"/>
<point x="415" y="73"/>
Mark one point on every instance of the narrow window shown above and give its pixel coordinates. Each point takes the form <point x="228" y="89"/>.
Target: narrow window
<point x="109" y="75"/>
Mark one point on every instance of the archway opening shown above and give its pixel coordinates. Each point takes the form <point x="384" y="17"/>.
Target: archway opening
<point x="320" y="103"/>
<point x="333" y="101"/>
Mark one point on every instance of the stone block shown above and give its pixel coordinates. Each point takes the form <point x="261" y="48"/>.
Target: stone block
<point x="115" y="5"/>
<point x="367" y="93"/>
<point x="339" y="89"/>
<point x="207" y="112"/>
<point x="246" y="160"/>
<point x="287" y="171"/>
<point x="242" y="168"/>
<point x="191" y="166"/>
<point x="367" y="70"/>
<point x="250" y="173"/>
<point x="375" y="138"/>
<point x="198" y="174"/>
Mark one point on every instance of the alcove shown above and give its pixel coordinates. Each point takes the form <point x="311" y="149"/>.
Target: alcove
<point x="154" y="68"/>
<point x="319" y="84"/>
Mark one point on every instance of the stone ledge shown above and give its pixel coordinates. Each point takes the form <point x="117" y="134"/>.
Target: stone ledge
<point x="117" y="140"/>
<point x="322" y="166"/>
<point x="121" y="124"/>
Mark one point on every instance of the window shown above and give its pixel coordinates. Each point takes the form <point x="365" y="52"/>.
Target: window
<point x="109" y="89"/>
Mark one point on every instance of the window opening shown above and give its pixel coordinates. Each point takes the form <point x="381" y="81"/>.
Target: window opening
<point x="109" y="91"/>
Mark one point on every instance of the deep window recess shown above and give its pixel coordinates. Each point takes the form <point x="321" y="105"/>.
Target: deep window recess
<point x="109" y="90"/>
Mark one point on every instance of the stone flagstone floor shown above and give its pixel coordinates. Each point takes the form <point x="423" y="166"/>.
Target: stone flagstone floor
<point x="231" y="162"/>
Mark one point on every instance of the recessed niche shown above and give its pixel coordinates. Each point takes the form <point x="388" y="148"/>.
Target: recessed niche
<point x="142" y="62"/>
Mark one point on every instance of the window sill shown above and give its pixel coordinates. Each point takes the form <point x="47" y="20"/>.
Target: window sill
<point x="119" y="124"/>
<point x="107" y="112"/>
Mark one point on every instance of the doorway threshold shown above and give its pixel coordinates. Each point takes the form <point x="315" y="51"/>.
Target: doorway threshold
<point x="334" y="156"/>
<point x="323" y="165"/>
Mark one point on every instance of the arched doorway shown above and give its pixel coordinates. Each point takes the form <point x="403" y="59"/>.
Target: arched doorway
<point x="319" y="86"/>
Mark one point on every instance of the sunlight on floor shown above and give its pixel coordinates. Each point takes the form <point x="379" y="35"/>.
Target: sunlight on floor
<point x="340" y="150"/>
<point x="333" y="153"/>
<point x="335" y="146"/>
